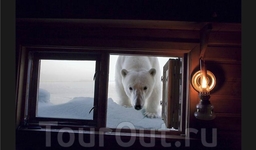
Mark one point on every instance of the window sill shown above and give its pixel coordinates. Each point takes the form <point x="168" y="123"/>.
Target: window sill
<point x="108" y="132"/>
<point x="59" y="138"/>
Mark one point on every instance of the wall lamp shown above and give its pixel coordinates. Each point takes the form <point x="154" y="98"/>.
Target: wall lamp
<point x="204" y="81"/>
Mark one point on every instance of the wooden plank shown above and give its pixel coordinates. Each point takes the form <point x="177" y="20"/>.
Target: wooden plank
<point x="221" y="54"/>
<point x="57" y="32"/>
<point x="166" y="109"/>
<point x="225" y="38"/>
<point x="171" y="107"/>
<point x="22" y="71"/>
<point x="232" y="71"/>
<point x="227" y="123"/>
<point x="226" y="104"/>
<point x="118" y="45"/>
<point x="231" y="88"/>
<point x="103" y="88"/>
<point x="175" y="90"/>
<point x="234" y="27"/>
<point x="110" y="23"/>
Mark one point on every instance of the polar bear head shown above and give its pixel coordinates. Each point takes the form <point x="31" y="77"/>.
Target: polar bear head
<point x="138" y="86"/>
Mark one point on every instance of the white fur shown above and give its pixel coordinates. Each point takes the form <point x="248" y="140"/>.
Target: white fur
<point x="138" y="83"/>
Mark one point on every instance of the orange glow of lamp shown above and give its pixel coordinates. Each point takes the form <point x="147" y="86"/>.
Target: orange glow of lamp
<point x="204" y="81"/>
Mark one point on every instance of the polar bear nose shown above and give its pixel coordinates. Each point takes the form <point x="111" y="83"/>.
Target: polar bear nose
<point x="137" y="107"/>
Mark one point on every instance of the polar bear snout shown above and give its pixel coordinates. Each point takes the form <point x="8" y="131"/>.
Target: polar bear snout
<point x="139" y="103"/>
<point x="138" y="107"/>
<point x="138" y="98"/>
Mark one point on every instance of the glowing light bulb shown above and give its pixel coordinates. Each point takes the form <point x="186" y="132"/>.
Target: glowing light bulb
<point x="203" y="83"/>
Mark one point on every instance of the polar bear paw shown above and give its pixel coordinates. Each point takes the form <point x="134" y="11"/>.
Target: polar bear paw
<point x="151" y="115"/>
<point x="127" y="106"/>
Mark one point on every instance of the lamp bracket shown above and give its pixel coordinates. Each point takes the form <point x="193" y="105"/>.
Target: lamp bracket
<point x="204" y="36"/>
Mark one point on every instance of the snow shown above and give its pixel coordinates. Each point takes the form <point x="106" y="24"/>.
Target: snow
<point x="79" y="107"/>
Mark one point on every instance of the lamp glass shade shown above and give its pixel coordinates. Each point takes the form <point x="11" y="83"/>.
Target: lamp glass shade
<point x="203" y="83"/>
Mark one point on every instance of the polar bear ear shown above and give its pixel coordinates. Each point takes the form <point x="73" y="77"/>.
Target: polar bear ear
<point x="152" y="71"/>
<point x="124" y="72"/>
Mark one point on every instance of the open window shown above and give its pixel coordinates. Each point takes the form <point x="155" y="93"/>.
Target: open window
<point x="74" y="89"/>
<point x="171" y="102"/>
<point x="119" y="116"/>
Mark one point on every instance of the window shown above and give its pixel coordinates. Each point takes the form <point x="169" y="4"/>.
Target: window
<point x="90" y="92"/>
<point x="120" y="116"/>
<point x="61" y="81"/>
<point x="69" y="73"/>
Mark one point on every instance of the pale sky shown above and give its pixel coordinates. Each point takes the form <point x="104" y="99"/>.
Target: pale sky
<point x="67" y="70"/>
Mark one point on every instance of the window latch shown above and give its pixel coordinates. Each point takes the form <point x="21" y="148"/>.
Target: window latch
<point x="95" y="75"/>
<point x="91" y="109"/>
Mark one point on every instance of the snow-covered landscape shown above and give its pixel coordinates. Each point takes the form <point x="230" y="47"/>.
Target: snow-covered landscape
<point x="78" y="107"/>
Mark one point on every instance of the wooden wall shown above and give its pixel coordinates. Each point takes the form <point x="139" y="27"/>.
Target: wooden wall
<point x="223" y="58"/>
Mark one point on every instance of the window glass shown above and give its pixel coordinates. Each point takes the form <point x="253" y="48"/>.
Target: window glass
<point x="66" y="89"/>
<point x="119" y="116"/>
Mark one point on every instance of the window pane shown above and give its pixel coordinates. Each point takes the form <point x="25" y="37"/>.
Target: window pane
<point x="119" y="116"/>
<point x="66" y="89"/>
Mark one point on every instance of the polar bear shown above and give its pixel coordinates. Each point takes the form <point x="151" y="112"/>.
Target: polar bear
<point x="138" y="84"/>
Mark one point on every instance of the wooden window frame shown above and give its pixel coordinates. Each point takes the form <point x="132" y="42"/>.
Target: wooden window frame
<point x="71" y="53"/>
<point x="31" y="100"/>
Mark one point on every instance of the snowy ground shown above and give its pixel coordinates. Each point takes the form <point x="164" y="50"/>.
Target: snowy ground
<point x="75" y="100"/>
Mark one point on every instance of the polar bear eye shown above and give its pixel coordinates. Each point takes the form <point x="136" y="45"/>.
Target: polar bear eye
<point x="130" y="88"/>
<point x="145" y="88"/>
